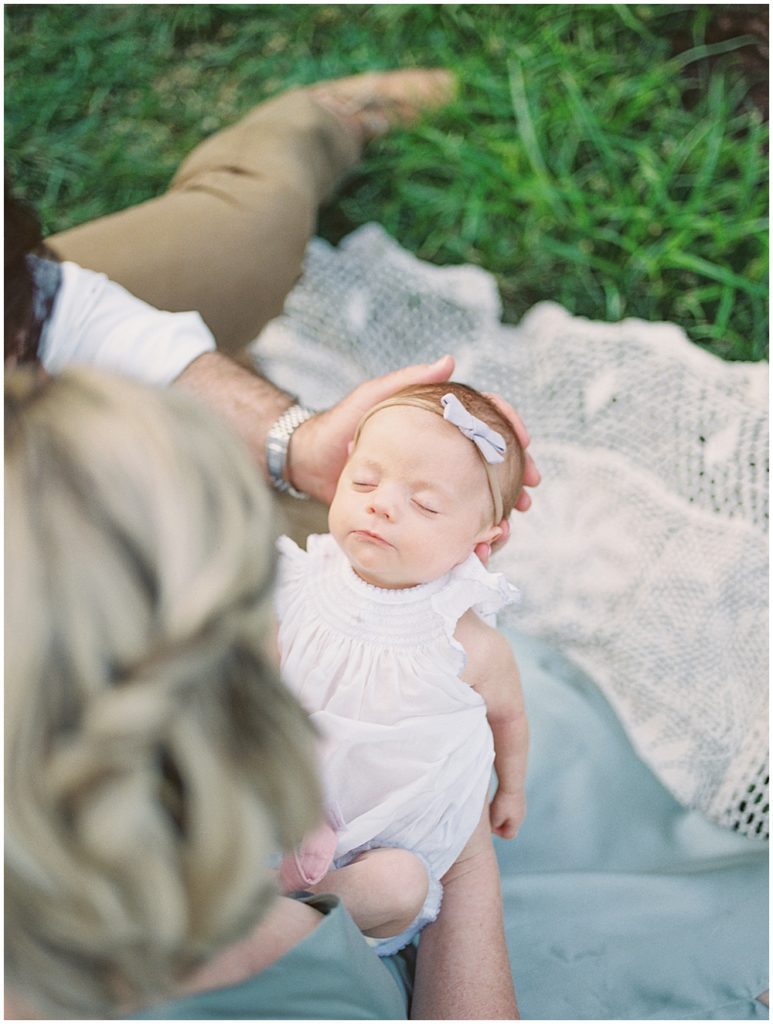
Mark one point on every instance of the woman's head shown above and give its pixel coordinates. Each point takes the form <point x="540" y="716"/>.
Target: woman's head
<point x="154" y="762"/>
<point x="417" y="495"/>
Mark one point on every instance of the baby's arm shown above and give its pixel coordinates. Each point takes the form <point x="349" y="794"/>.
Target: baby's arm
<point x="492" y="670"/>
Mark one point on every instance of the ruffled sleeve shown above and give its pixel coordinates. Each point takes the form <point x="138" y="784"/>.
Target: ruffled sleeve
<point x="470" y="585"/>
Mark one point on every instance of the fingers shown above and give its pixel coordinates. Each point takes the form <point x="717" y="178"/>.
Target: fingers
<point x="510" y="414"/>
<point x="506" y="828"/>
<point x="531" y="475"/>
<point x="531" y="478"/>
<point x="426" y="373"/>
<point x="523" y="502"/>
<point x="503" y="538"/>
<point x="319" y="446"/>
<point x="483" y="551"/>
<point x="506" y="816"/>
<point x="377" y="390"/>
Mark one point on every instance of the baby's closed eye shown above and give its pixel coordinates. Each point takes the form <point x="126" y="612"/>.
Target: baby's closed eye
<point x="425" y="506"/>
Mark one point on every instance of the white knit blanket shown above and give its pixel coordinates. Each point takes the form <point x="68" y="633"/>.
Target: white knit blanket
<point x="644" y="556"/>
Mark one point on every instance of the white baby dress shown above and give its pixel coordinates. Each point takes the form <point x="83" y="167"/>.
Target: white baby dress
<point x="406" y="751"/>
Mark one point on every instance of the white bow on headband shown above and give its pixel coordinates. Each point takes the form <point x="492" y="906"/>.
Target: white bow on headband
<point x="491" y="444"/>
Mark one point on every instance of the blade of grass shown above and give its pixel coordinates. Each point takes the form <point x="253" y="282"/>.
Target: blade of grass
<point x="528" y="134"/>
<point x="698" y="265"/>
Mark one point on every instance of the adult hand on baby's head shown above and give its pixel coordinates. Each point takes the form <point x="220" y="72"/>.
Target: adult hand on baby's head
<point x="319" y="447"/>
<point x="531" y="476"/>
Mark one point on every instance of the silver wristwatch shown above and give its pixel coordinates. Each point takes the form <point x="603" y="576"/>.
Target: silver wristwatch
<point x="277" y="443"/>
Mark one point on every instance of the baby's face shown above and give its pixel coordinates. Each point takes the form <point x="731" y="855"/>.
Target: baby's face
<point x="413" y="499"/>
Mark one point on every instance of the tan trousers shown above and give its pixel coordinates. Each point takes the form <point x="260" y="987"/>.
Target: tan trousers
<point x="228" y="237"/>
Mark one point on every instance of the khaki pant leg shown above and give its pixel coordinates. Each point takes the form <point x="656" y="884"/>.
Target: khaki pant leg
<point x="228" y="237"/>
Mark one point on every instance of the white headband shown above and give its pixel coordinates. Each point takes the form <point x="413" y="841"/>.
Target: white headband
<point x="490" y="444"/>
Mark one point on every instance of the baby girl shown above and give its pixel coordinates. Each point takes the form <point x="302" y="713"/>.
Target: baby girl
<point x="386" y="638"/>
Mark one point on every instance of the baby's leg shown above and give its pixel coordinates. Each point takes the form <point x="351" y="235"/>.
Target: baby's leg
<point x="382" y="889"/>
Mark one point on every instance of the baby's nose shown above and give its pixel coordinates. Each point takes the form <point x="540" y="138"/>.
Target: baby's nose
<point x="380" y="505"/>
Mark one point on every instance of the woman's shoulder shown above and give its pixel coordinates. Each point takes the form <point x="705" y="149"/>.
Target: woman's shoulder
<point x="311" y="963"/>
<point x="287" y="923"/>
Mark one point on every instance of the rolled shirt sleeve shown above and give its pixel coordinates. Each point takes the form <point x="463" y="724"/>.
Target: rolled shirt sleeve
<point x="96" y="322"/>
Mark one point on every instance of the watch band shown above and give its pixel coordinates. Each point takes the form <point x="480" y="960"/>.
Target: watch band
<point x="277" y="444"/>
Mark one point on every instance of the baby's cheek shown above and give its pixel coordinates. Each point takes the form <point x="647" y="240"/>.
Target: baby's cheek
<point x="440" y="554"/>
<point x="334" y="519"/>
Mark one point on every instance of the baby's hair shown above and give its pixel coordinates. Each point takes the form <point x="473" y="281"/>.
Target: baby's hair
<point x="154" y="761"/>
<point x="508" y="475"/>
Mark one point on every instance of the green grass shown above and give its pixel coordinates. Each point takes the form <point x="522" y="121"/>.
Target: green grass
<point x="582" y="160"/>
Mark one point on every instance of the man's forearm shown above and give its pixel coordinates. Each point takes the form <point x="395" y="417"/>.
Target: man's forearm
<point x="249" y="403"/>
<point x="318" y="448"/>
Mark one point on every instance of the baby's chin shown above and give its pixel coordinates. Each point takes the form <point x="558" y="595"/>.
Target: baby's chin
<point x="404" y="581"/>
<point x="379" y="576"/>
<point x="380" y="564"/>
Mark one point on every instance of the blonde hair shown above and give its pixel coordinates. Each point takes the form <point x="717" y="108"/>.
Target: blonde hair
<point x="154" y="761"/>
<point x="505" y="479"/>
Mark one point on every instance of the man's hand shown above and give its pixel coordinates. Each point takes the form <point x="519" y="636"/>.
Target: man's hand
<point x="320" y="446"/>
<point x="531" y="476"/>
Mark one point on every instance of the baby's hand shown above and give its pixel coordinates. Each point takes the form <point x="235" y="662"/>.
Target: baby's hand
<point x="506" y="813"/>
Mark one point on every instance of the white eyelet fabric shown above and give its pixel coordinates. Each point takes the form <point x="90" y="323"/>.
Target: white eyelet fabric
<point x="644" y="557"/>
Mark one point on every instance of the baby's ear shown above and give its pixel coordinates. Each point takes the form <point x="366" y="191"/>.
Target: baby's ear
<point x="488" y="539"/>
<point x="493" y="534"/>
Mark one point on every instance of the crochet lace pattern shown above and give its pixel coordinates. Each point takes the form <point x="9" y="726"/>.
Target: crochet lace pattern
<point x="644" y="556"/>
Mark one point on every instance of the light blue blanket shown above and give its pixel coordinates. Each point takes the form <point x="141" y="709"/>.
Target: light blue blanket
<point x="619" y="903"/>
